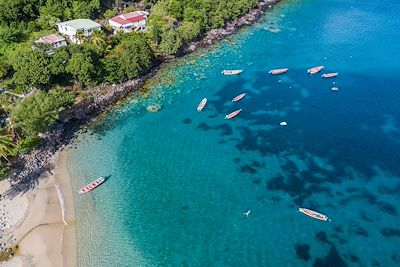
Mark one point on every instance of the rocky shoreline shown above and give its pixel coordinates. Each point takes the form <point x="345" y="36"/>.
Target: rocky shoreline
<point x="28" y="168"/>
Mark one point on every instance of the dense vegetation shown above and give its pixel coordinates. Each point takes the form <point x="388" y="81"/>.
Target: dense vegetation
<point x="34" y="80"/>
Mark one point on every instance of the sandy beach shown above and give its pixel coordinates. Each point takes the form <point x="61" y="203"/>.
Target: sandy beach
<point x="37" y="227"/>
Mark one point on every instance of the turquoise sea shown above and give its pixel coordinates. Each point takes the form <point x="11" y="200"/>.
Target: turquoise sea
<point x="180" y="180"/>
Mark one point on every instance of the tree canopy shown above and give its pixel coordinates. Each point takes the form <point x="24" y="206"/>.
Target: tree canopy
<point x="31" y="68"/>
<point x="36" y="113"/>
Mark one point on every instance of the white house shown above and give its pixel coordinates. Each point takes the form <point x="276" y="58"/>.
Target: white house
<point x="53" y="41"/>
<point x="71" y="27"/>
<point x="131" y="21"/>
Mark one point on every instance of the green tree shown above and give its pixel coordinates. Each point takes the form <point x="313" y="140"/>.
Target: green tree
<point x="80" y="37"/>
<point x="189" y="30"/>
<point x="47" y="22"/>
<point x="31" y="68"/>
<point x="82" y="68"/>
<point x="170" y="41"/>
<point x="135" y="57"/>
<point x="113" y="72"/>
<point x="6" y="146"/>
<point x="129" y="59"/>
<point x="9" y="35"/>
<point x="5" y="68"/>
<point x="37" y="112"/>
<point x="12" y="11"/>
<point x="98" y="38"/>
<point x="59" y="60"/>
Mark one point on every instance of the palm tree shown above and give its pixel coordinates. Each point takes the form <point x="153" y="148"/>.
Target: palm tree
<point x="98" y="38"/>
<point x="80" y="37"/>
<point x="6" y="144"/>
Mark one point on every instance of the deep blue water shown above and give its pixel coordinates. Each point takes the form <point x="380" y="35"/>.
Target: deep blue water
<point x="180" y="180"/>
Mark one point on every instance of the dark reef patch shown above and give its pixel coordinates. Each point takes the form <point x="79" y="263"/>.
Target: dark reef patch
<point x="248" y="168"/>
<point x="333" y="259"/>
<point x="275" y="198"/>
<point x="387" y="190"/>
<point x="386" y="207"/>
<point x="338" y="229"/>
<point x="354" y="258"/>
<point x="356" y="229"/>
<point x="390" y="232"/>
<point x="187" y="121"/>
<point x="395" y="258"/>
<point x="321" y="236"/>
<point x="257" y="164"/>
<point x="303" y="251"/>
<point x="365" y="216"/>
<point x="203" y="126"/>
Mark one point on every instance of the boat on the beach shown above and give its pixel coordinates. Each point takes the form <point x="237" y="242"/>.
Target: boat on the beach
<point x="231" y="72"/>
<point x="314" y="214"/>
<point x="89" y="187"/>
<point x="232" y="114"/>
<point x="239" y="97"/>
<point x="315" y="69"/>
<point x="202" y="104"/>
<point x="278" y="71"/>
<point x="330" y="75"/>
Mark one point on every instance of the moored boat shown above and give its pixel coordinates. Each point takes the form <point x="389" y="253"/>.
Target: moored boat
<point x="330" y="75"/>
<point x="315" y="69"/>
<point x="231" y="72"/>
<point x="89" y="187"/>
<point x="232" y="114"/>
<point x="283" y="123"/>
<point x="202" y="104"/>
<point x="314" y="214"/>
<point x="239" y="97"/>
<point x="335" y="88"/>
<point x="278" y="71"/>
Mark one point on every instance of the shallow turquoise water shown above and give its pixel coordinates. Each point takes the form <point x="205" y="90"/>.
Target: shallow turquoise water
<point x="180" y="180"/>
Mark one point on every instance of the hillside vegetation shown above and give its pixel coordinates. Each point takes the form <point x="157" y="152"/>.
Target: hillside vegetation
<point x="35" y="86"/>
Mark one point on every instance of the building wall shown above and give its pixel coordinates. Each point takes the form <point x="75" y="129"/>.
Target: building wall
<point x="65" y="29"/>
<point x="60" y="44"/>
<point x="127" y="27"/>
<point x="71" y="32"/>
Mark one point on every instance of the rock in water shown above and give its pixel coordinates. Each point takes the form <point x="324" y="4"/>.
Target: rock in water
<point x="153" y="108"/>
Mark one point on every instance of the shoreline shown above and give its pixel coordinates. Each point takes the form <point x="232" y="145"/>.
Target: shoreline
<point x="45" y="234"/>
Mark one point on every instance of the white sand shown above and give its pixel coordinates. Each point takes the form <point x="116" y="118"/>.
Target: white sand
<point x="39" y="228"/>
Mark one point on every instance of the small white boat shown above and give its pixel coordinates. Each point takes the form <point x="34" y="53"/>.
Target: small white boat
<point x="231" y="72"/>
<point x="283" y="123"/>
<point x="89" y="187"/>
<point x="330" y="75"/>
<point x="202" y="104"/>
<point x="314" y="214"/>
<point x="278" y="71"/>
<point x="315" y="70"/>
<point x="239" y="97"/>
<point x="232" y="114"/>
<point x="335" y="88"/>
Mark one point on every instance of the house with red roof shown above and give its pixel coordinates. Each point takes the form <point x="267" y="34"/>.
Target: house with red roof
<point x="133" y="21"/>
<point x="52" y="41"/>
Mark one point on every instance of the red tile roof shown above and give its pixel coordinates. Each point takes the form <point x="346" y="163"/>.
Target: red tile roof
<point x="128" y="18"/>
<point x="51" y="39"/>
